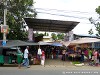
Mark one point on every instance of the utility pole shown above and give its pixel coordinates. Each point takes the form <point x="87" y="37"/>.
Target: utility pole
<point x="5" y="12"/>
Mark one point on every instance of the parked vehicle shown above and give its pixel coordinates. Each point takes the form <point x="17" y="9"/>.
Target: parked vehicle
<point x="8" y="55"/>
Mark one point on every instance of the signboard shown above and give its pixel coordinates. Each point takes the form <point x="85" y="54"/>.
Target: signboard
<point x="4" y="43"/>
<point x="4" y="28"/>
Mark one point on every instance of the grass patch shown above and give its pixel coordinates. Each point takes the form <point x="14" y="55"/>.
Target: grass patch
<point x="76" y="62"/>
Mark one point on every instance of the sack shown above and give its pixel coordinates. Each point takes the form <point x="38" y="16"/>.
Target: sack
<point x="42" y="62"/>
<point x="39" y="51"/>
<point x="85" y="57"/>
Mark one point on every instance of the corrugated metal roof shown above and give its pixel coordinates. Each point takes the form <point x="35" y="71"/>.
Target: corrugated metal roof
<point x="50" y="25"/>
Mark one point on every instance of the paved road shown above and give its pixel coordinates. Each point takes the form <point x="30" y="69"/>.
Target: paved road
<point x="50" y="70"/>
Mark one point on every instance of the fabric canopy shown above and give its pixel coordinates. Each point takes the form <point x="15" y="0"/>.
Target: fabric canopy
<point x="80" y="41"/>
<point x="65" y="43"/>
<point x="85" y="40"/>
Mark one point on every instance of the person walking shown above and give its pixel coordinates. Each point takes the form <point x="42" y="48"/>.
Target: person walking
<point x="26" y="60"/>
<point x="19" y="58"/>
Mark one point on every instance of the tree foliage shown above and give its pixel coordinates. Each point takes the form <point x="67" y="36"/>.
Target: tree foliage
<point x="38" y="34"/>
<point x="54" y="36"/>
<point x="96" y="22"/>
<point x="17" y="10"/>
<point x="59" y="36"/>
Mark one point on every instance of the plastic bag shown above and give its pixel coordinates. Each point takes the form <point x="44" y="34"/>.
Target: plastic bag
<point x="39" y="51"/>
<point x="42" y="62"/>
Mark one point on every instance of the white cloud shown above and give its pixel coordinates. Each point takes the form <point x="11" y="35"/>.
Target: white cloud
<point x="69" y="6"/>
<point x="81" y="5"/>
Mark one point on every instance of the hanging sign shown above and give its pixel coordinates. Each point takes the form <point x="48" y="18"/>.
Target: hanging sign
<point x="4" y="28"/>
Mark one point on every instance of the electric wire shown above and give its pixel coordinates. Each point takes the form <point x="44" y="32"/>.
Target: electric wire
<point x="64" y="11"/>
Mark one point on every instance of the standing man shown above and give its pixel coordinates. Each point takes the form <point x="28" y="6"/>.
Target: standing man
<point x="64" y="55"/>
<point x="26" y="60"/>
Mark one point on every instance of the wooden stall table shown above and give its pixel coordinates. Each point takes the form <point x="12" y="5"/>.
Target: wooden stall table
<point x="74" y="56"/>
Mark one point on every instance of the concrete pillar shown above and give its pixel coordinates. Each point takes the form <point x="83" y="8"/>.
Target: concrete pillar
<point x="69" y="36"/>
<point x="30" y="34"/>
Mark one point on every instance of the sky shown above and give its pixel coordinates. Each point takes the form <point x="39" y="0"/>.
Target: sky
<point x="69" y="10"/>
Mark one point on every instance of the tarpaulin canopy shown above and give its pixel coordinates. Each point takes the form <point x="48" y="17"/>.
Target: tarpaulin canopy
<point x="85" y="40"/>
<point x="80" y="41"/>
<point x="66" y="43"/>
<point x="56" y="44"/>
<point x="44" y="43"/>
<point x="12" y="43"/>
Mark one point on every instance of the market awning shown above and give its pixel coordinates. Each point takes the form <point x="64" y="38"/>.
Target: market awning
<point x="50" y="25"/>
<point x="85" y="40"/>
<point x="13" y="43"/>
<point x="56" y="44"/>
<point x="80" y="41"/>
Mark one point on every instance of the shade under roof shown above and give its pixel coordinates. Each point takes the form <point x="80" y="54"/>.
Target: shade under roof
<point x="50" y="25"/>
